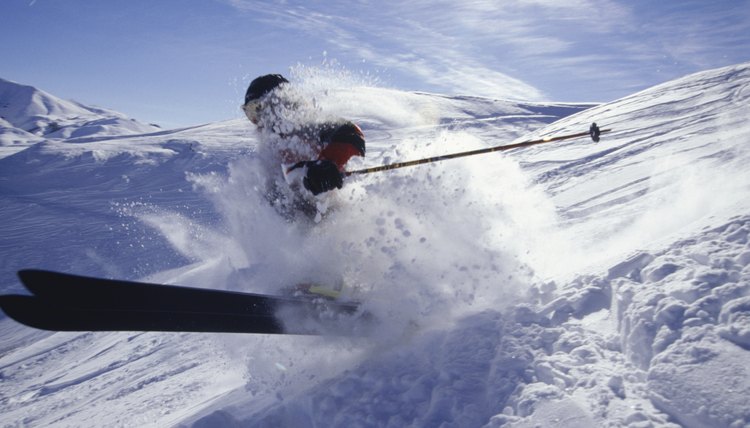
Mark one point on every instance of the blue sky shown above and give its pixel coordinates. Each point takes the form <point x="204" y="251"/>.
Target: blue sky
<point x="186" y="62"/>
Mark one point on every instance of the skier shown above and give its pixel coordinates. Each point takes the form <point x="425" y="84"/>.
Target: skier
<point x="311" y="151"/>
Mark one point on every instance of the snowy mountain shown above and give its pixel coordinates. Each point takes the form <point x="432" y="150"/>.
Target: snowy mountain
<point x="567" y="284"/>
<point x="29" y="115"/>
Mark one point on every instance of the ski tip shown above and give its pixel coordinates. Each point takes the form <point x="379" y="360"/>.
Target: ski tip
<point x="17" y="307"/>
<point x="28" y="275"/>
<point x="39" y="275"/>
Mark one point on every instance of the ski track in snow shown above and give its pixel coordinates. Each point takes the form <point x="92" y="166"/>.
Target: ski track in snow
<point x="569" y="284"/>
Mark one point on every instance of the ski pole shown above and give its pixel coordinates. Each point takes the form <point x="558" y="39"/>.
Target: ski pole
<point x="594" y="132"/>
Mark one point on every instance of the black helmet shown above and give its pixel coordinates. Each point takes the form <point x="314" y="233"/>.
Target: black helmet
<point x="263" y="85"/>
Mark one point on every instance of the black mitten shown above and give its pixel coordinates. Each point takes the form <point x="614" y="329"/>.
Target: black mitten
<point x="322" y="176"/>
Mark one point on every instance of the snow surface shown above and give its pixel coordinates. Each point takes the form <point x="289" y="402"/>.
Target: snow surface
<point x="568" y="284"/>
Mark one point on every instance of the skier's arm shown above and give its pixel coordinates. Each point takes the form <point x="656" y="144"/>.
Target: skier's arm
<point x="317" y="176"/>
<point x="340" y="142"/>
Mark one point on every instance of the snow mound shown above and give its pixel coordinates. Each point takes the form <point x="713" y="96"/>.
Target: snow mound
<point x="672" y="347"/>
<point x="684" y="317"/>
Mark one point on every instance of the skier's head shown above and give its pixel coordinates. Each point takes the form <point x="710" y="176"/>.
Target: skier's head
<point x="258" y="88"/>
<point x="262" y="85"/>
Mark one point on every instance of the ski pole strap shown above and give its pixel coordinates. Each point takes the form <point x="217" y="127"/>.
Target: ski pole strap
<point x="594" y="132"/>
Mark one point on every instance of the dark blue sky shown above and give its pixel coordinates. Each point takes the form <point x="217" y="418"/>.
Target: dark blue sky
<point x="183" y="62"/>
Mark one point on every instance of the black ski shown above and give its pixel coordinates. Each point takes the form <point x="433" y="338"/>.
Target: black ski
<point x="46" y="315"/>
<point x="63" y="302"/>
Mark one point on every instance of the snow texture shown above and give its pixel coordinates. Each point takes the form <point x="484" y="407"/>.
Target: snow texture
<point x="567" y="284"/>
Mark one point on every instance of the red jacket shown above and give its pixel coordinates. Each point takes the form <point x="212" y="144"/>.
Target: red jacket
<point x="336" y="142"/>
<point x="339" y="142"/>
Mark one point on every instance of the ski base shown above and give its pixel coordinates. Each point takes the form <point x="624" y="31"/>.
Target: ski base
<point x="64" y="302"/>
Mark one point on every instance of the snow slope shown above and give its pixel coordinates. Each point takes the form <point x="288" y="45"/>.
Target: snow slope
<point x="29" y="115"/>
<point x="569" y="284"/>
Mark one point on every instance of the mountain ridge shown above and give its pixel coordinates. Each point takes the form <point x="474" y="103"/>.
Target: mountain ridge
<point x="28" y="115"/>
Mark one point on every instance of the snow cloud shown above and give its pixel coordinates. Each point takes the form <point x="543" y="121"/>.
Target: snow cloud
<point x="519" y="50"/>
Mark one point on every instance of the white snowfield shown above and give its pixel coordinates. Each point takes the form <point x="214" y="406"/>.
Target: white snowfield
<point x="570" y="284"/>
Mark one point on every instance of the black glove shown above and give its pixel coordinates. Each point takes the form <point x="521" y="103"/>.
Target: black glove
<point x="322" y="176"/>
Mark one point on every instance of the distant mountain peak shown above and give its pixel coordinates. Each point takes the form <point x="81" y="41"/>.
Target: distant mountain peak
<point x="30" y="110"/>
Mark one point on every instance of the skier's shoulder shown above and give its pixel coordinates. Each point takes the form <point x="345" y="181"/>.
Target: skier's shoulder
<point x="330" y="124"/>
<point x="337" y="127"/>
